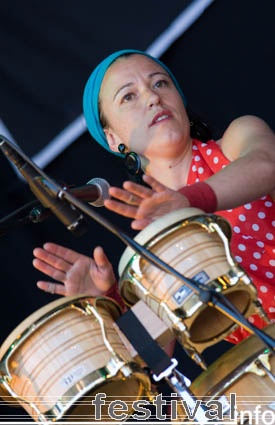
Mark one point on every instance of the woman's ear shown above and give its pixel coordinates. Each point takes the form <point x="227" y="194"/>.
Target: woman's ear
<point x="112" y="139"/>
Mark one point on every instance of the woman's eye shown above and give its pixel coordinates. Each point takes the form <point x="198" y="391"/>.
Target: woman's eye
<point x="127" y="97"/>
<point x="161" y="83"/>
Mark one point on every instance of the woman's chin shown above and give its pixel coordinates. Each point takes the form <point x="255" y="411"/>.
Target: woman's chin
<point x="165" y="148"/>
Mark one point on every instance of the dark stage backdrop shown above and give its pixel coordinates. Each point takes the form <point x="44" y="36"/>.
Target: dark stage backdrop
<point x="224" y="62"/>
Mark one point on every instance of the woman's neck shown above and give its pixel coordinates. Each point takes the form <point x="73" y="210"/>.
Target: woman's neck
<point x="173" y="171"/>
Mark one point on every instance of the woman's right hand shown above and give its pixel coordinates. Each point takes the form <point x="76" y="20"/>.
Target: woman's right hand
<point x="144" y="204"/>
<point x="78" y="273"/>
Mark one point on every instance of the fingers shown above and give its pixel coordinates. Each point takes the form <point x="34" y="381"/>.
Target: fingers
<point x="53" y="288"/>
<point x="57" y="256"/>
<point x="134" y="195"/>
<point x="122" y="209"/>
<point x="49" y="270"/>
<point x="62" y="252"/>
<point x="52" y="260"/>
<point x="138" y="190"/>
<point x="149" y="207"/>
<point x="100" y="257"/>
<point x="125" y="196"/>
<point x="157" y="186"/>
<point x="140" y="224"/>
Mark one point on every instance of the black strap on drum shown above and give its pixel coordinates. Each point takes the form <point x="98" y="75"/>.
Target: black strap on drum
<point x="148" y="349"/>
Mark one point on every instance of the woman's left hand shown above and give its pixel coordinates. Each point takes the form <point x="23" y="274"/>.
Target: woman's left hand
<point x="73" y="273"/>
<point x="144" y="204"/>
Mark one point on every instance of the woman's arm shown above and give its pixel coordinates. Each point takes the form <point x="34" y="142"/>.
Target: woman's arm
<point x="249" y="144"/>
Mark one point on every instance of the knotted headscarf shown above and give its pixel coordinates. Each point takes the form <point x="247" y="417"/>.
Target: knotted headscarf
<point x="92" y="89"/>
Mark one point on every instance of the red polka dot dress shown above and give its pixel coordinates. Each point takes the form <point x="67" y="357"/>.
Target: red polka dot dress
<point x="253" y="236"/>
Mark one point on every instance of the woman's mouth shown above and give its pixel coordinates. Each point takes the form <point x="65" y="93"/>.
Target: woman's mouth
<point x="161" y="116"/>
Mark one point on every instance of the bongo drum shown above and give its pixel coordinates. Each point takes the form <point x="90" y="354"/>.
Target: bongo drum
<point x="60" y="357"/>
<point x="247" y="370"/>
<point x="197" y="245"/>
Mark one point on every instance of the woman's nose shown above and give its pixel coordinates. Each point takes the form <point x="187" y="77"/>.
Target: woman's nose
<point x="153" y="98"/>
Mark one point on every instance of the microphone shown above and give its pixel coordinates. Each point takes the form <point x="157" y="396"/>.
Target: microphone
<point x="94" y="192"/>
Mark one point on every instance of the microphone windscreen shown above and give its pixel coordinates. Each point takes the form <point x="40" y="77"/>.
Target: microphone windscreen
<point x="103" y="188"/>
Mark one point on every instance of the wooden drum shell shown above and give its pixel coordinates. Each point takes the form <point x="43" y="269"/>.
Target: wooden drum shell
<point x="64" y="358"/>
<point x="185" y="240"/>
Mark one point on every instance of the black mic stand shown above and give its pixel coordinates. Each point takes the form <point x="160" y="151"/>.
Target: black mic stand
<point x="32" y="212"/>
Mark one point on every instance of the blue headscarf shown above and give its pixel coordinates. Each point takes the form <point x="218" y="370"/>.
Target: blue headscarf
<point x="92" y="89"/>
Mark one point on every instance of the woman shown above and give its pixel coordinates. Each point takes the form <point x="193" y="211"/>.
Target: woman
<point x="132" y="102"/>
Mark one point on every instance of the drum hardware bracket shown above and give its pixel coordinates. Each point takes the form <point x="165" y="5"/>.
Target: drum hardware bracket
<point x="167" y="372"/>
<point x="115" y="364"/>
<point x="138" y="284"/>
<point x="194" y="355"/>
<point x="235" y="274"/>
<point x="179" y="383"/>
<point x="215" y="227"/>
<point x="263" y="364"/>
<point x="176" y="320"/>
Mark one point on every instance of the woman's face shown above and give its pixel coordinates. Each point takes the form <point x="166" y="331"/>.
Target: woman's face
<point x="143" y="108"/>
